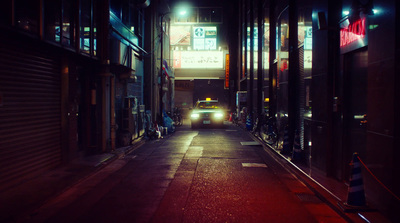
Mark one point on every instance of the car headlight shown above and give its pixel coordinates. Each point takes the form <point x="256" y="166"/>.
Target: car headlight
<point x="195" y="115"/>
<point x="218" y="115"/>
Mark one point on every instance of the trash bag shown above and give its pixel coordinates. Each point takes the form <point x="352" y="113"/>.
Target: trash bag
<point x="168" y="122"/>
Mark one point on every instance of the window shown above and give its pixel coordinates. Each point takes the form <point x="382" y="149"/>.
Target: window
<point x="138" y="23"/>
<point x="27" y="15"/>
<point x="216" y="15"/>
<point x="192" y="17"/>
<point x="204" y="15"/>
<point x="115" y="7"/>
<point x="210" y="15"/>
<point x="5" y="12"/>
<point x="126" y="14"/>
<point x="95" y="23"/>
<point x="68" y="26"/>
<point x="85" y="26"/>
<point x="52" y="18"/>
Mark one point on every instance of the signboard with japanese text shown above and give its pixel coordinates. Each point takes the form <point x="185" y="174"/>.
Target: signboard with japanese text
<point x="307" y="59"/>
<point x="198" y="59"/>
<point x="184" y="85"/>
<point x="205" y="38"/>
<point x="226" y="83"/>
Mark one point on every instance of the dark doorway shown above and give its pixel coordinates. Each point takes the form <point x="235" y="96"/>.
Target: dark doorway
<point x="355" y="105"/>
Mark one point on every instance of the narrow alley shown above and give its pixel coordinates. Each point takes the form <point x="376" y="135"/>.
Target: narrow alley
<point x="202" y="175"/>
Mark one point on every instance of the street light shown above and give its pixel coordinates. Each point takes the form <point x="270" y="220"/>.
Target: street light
<point x="182" y="13"/>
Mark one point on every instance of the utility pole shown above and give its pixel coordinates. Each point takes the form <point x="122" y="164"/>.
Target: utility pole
<point x="260" y="76"/>
<point x="293" y="87"/>
<point x="161" y="121"/>
<point x="161" y="69"/>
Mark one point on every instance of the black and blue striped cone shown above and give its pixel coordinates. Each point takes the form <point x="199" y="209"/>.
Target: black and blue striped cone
<point x="296" y="155"/>
<point x="356" y="195"/>
<point x="249" y="126"/>
<point x="286" y="144"/>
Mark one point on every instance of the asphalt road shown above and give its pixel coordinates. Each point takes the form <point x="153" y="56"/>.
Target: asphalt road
<point x="202" y="175"/>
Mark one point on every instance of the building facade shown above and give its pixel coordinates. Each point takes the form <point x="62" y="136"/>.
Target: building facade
<point x="200" y="53"/>
<point x="76" y="78"/>
<point x="329" y="72"/>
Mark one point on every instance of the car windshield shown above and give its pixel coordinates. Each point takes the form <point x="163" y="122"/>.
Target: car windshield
<point x="207" y="105"/>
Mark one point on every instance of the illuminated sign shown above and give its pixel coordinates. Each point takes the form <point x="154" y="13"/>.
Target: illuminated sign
<point x="255" y="38"/>
<point x="198" y="59"/>
<point x="307" y="59"/>
<point x="226" y="85"/>
<point x="353" y="32"/>
<point x="180" y="35"/>
<point x="353" y="35"/>
<point x="205" y="38"/>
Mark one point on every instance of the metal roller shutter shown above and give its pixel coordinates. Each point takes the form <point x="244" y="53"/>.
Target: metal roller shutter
<point x="30" y="119"/>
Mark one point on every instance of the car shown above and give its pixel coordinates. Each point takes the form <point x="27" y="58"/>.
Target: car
<point x="207" y="113"/>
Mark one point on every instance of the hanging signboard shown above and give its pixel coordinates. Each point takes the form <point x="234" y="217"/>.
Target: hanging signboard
<point x="226" y="85"/>
<point x="205" y="38"/>
<point x="180" y="35"/>
<point x="353" y="34"/>
<point x="198" y="59"/>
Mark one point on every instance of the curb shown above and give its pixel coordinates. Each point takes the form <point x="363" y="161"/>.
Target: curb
<point x="321" y="192"/>
<point x="123" y="151"/>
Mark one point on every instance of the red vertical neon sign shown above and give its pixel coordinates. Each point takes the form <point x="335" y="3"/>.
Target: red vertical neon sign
<point x="226" y="71"/>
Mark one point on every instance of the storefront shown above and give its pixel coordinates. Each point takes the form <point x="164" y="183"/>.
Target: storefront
<point x="342" y="95"/>
<point x="30" y="128"/>
<point x="367" y="100"/>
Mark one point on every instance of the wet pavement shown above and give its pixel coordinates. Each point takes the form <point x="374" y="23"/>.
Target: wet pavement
<point x="206" y="175"/>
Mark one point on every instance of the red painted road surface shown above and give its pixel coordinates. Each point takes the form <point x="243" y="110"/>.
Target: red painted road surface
<point x="206" y="175"/>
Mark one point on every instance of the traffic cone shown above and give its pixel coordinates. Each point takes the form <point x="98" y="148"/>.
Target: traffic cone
<point x="356" y="195"/>
<point x="296" y="147"/>
<point x="285" y="146"/>
<point x="248" y="123"/>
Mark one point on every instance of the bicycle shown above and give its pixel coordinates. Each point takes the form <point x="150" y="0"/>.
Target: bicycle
<point x="177" y="117"/>
<point x="266" y="128"/>
<point x="235" y="118"/>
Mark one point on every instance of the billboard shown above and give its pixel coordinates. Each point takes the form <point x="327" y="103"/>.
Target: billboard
<point x="205" y="38"/>
<point x="180" y="35"/>
<point x="198" y="59"/>
<point x="353" y="34"/>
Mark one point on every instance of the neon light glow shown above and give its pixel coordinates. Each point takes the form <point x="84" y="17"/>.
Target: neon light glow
<point x="352" y="33"/>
